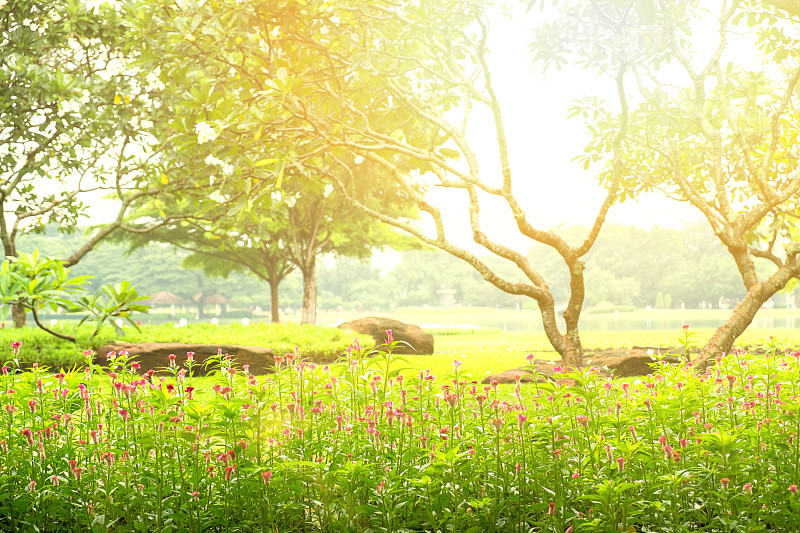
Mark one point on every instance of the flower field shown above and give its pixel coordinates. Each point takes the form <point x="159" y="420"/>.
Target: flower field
<point x="357" y="447"/>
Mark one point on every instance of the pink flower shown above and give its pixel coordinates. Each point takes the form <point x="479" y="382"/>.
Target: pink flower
<point x="15" y="346"/>
<point x="31" y="486"/>
<point x="583" y="421"/>
<point x="724" y="482"/>
<point x="77" y="472"/>
<point x="189" y="357"/>
<point x="521" y="419"/>
<point x="389" y="337"/>
<point x="748" y="488"/>
<point x="171" y="358"/>
<point x="529" y="358"/>
<point x="620" y="463"/>
<point x="793" y="489"/>
<point x="551" y="509"/>
<point x="456" y="364"/>
<point x="685" y="327"/>
<point x="266" y="476"/>
<point x="28" y="434"/>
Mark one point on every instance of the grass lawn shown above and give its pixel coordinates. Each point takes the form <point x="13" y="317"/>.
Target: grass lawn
<point x="482" y="351"/>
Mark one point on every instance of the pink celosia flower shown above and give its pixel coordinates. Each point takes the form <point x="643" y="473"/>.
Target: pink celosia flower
<point x="725" y="482"/>
<point x="266" y="476"/>
<point x="793" y="489"/>
<point x="748" y="488"/>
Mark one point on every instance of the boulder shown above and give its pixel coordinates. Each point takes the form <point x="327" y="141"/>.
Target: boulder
<point x="626" y="363"/>
<point x="420" y="341"/>
<point x="544" y="373"/>
<point x="154" y="355"/>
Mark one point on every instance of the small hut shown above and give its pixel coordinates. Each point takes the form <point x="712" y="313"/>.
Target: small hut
<point x="166" y="298"/>
<point x="219" y="302"/>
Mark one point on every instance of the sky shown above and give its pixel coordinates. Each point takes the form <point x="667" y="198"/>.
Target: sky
<point x="551" y="187"/>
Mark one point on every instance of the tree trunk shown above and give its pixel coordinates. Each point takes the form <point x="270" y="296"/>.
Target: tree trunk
<point x="568" y="346"/>
<point x="757" y="293"/>
<point x="309" y="313"/>
<point x="273" y="301"/>
<point x="725" y="335"/>
<point x="19" y="314"/>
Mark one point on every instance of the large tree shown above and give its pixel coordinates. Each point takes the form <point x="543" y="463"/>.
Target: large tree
<point x="260" y="181"/>
<point x="75" y="120"/>
<point x="714" y="122"/>
<point x="391" y="86"/>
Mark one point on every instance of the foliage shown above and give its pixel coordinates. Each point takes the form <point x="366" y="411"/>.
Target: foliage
<point x="35" y="283"/>
<point x="676" y="452"/>
<point x="76" y="120"/>
<point x="261" y="201"/>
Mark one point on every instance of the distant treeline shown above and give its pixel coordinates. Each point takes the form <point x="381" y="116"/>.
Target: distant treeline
<point x="628" y="266"/>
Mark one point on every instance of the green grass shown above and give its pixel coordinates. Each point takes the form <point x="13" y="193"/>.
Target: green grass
<point x="482" y="351"/>
<point x="45" y="349"/>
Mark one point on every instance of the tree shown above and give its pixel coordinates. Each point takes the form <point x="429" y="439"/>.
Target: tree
<point x="74" y="120"/>
<point x="377" y="86"/>
<point x="265" y="183"/>
<point x="707" y="128"/>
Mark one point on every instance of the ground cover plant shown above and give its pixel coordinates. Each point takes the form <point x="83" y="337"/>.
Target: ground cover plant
<point x="356" y="447"/>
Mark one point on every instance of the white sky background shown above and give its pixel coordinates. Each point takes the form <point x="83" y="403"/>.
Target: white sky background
<point x="551" y="187"/>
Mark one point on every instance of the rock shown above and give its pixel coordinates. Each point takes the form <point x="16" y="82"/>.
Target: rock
<point x="620" y="363"/>
<point x="626" y="363"/>
<point x="154" y="355"/>
<point x="510" y="376"/>
<point x="544" y="373"/>
<point x="375" y="327"/>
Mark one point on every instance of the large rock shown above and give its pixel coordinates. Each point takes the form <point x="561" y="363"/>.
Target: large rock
<point x="628" y="362"/>
<point x="545" y="371"/>
<point x="620" y="363"/>
<point x="420" y="341"/>
<point x="154" y="355"/>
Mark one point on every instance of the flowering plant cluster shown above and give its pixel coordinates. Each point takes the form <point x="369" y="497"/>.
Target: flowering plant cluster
<point x="365" y="445"/>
